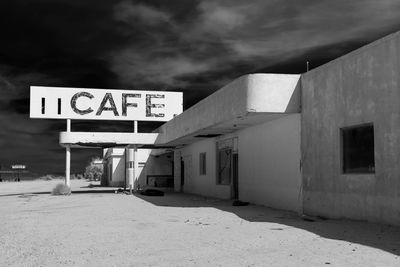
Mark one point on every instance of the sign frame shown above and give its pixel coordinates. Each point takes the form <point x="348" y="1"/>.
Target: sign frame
<point x="104" y="104"/>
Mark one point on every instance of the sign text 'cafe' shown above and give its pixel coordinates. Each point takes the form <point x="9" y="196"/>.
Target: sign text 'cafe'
<point x="104" y="104"/>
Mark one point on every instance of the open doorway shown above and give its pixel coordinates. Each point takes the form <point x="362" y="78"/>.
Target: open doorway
<point x="186" y="173"/>
<point x="182" y="174"/>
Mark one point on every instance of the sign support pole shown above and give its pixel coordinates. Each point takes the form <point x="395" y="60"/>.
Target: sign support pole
<point x="135" y="159"/>
<point x="149" y="106"/>
<point x="68" y="158"/>
<point x="132" y="162"/>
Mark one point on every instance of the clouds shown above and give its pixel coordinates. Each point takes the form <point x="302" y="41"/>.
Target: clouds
<point x="224" y="35"/>
<point x="191" y="46"/>
<point x="175" y="50"/>
<point x="27" y="141"/>
<point x="160" y="72"/>
<point x="221" y="19"/>
<point x="139" y="13"/>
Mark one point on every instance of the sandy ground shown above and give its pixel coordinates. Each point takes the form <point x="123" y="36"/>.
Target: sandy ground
<point x="95" y="227"/>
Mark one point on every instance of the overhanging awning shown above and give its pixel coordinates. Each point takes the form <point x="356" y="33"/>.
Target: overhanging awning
<point x="108" y="139"/>
<point x="249" y="100"/>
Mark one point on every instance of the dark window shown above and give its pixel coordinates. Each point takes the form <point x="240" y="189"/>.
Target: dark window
<point x="224" y="166"/>
<point x="202" y="164"/>
<point x="358" y="149"/>
<point x="59" y="106"/>
<point x="43" y="105"/>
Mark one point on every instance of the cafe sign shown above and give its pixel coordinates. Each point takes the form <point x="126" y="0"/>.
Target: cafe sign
<point x="104" y="104"/>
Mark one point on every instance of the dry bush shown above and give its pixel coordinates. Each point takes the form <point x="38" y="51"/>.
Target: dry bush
<point x="93" y="171"/>
<point x="61" y="189"/>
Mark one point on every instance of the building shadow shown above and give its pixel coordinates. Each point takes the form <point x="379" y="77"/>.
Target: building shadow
<point x="26" y="194"/>
<point x="380" y="236"/>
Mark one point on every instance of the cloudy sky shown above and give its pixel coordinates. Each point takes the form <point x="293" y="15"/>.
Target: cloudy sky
<point x="190" y="46"/>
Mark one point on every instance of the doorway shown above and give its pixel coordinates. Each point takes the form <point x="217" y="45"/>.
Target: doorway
<point x="235" y="176"/>
<point x="186" y="173"/>
<point x="182" y="174"/>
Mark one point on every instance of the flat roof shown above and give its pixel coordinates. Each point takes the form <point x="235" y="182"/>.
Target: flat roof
<point x="246" y="101"/>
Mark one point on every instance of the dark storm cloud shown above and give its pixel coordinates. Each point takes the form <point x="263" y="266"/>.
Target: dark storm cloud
<point x="224" y="39"/>
<point x="193" y="46"/>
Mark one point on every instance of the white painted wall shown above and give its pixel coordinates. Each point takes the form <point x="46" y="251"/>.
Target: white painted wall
<point x="203" y="184"/>
<point x="269" y="163"/>
<point x="118" y="171"/>
<point x="248" y="94"/>
<point x="154" y="164"/>
<point x="148" y="165"/>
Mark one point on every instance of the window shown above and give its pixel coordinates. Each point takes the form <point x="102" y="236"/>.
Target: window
<point x="202" y="164"/>
<point x="224" y="166"/>
<point x="59" y="106"/>
<point x="358" y="149"/>
<point x="43" y="105"/>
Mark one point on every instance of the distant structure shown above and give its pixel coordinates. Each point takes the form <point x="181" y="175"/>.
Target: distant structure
<point x="15" y="171"/>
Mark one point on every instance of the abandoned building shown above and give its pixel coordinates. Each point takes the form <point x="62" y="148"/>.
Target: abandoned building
<point x="326" y="142"/>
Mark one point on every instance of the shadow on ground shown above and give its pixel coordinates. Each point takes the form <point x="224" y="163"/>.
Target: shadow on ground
<point x="384" y="237"/>
<point x="93" y="191"/>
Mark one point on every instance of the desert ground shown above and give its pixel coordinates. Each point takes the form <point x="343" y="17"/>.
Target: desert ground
<point x="96" y="227"/>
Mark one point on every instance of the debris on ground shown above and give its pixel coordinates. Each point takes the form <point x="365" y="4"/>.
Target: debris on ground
<point x="152" y="192"/>
<point x="119" y="190"/>
<point x="239" y="203"/>
<point x="309" y="218"/>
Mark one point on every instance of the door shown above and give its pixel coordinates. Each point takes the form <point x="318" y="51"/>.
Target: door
<point x="182" y="174"/>
<point x="235" y="176"/>
<point x="187" y="173"/>
<point x="110" y="173"/>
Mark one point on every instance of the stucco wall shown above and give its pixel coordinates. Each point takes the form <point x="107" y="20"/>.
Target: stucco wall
<point x="202" y="184"/>
<point x="118" y="171"/>
<point x="154" y="165"/>
<point x="269" y="163"/>
<point x="261" y="92"/>
<point x="148" y="165"/>
<point x="361" y="87"/>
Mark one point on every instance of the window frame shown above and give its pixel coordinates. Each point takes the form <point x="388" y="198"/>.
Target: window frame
<point x="218" y="165"/>
<point x="348" y="171"/>
<point x="202" y="163"/>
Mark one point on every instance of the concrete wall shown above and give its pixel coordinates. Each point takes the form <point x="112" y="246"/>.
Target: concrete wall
<point x="269" y="164"/>
<point x="202" y="184"/>
<point x="154" y="165"/>
<point x="361" y="87"/>
<point x="149" y="164"/>
<point x="118" y="171"/>
<point x="114" y="163"/>
<point x="268" y="93"/>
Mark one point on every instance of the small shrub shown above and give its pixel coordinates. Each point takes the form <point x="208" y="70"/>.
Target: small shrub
<point x="61" y="189"/>
<point x="94" y="170"/>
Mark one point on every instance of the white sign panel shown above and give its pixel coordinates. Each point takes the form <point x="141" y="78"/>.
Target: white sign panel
<point x="18" y="167"/>
<point x="104" y="104"/>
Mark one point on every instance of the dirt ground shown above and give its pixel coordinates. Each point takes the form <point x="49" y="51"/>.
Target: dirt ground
<point x="96" y="227"/>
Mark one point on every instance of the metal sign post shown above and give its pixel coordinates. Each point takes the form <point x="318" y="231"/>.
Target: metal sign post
<point x="68" y="158"/>
<point x="133" y="163"/>
<point x="105" y="104"/>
